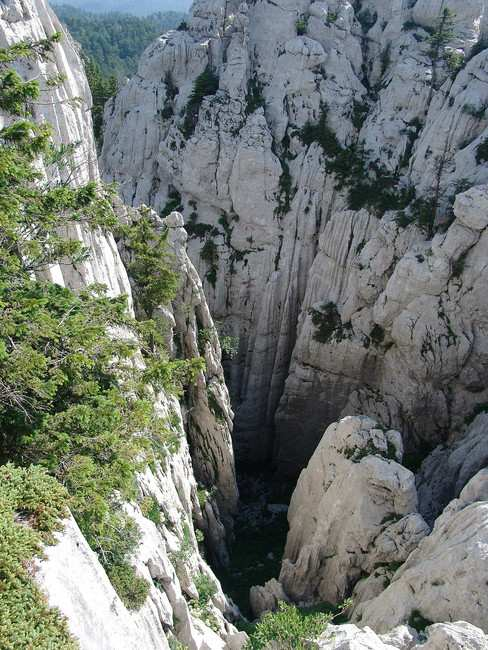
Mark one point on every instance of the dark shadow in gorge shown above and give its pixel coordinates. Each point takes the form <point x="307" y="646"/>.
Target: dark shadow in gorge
<point x="260" y="534"/>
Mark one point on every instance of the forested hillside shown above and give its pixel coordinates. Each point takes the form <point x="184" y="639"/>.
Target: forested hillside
<point x="115" y="40"/>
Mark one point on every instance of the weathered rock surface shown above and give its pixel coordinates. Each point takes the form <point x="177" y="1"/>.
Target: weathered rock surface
<point x="71" y="576"/>
<point x="76" y="583"/>
<point x="454" y="636"/>
<point x="446" y="471"/>
<point x="266" y="598"/>
<point x="445" y="577"/>
<point x="270" y="225"/>
<point x="442" y="636"/>
<point x="354" y="509"/>
<point x="403" y="304"/>
<point x="350" y="637"/>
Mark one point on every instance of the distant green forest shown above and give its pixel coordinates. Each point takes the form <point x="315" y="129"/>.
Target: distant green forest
<point x="115" y="41"/>
<point x="111" y="46"/>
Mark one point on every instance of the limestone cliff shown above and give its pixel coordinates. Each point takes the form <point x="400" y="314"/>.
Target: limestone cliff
<point x="354" y="530"/>
<point x="170" y="556"/>
<point x="315" y="158"/>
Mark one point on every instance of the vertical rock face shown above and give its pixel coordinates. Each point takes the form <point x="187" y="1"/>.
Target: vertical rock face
<point x="339" y="308"/>
<point x="71" y="576"/>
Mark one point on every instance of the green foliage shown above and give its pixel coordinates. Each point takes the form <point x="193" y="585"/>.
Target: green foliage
<point x="201" y="608"/>
<point x="171" y="93"/>
<point x="475" y="111"/>
<point x="206" y="588"/>
<point x="114" y="40"/>
<point x="356" y="454"/>
<point x="73" y="397"/>
<point x="210" y="255"/>
<point x="370" y="184"/>
<point x="442" y="35"/>
<point x="301" y="25"/>
<point x="202" y="496"/>
<point x="418" y="621"/>
<point x="440" y="38"/>
<point x="151" y="265"/>
<point x="424" y="211"/>
<point x="286" y="191"/>
<point x="132" y="589"/>
<point x="229" y="345"/>
<point x="205" y="85"/>
<point x="111" y="45"/>
<point x="321" y="133"/>
<point x="482" y="152"/>
<point x="184" y="553"/>
<point x="328" y="324"/>
<point x="290" y="628"/>
<point x="173" y="203"/>
<point x="367" y="19"/>
<point x="360" y="111"/>
<point x="200" y="230"/>
<point x="150" y="509"/>
<point x="102" y="87"/>
<point x="254" y="97"/>
<point x="385" y="59"/>
<point x="332" y="17"/>
<point x="32" y="505"/>
<point x="174" y="644"/>
<point x="377" y="335"/>
<point x="409" y="26"/>
<point x="454" y="61"/>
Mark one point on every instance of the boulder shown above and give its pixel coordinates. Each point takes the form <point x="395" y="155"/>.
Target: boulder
<point x="354" y="509"/>
<point x="442" y="636"/>
<point x="454" y="636"/>
<point x="266" y="599"/>
<point x="445" y="578"/>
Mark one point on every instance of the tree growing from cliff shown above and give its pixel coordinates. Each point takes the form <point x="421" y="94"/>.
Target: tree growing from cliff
<point x="73" y="398"/>
<point x="102" y="87"/>
<point x="206" y="84"/>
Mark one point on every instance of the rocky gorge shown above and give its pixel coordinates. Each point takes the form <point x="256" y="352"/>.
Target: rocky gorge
<point x="319" y="171"/>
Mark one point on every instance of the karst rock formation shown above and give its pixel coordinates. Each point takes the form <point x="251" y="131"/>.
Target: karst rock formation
<point x="321" y="169"/>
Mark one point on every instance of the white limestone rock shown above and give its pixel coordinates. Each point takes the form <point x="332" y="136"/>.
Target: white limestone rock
<point x="266" y="598"/>
<point x="354" y="508"/>
<point x="350" y="637"/>
<point x="278" y="256"/>
<point x="445" y="577"/>
<point x="77" y="585"/>
<point x="402" y="305"/>
<point x="442" y="636"/>
<point x="446" y="471"/>
<point x="454" y="636"/>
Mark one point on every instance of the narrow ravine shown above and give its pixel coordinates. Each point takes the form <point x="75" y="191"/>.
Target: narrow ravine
<point x="260" y="534"/>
